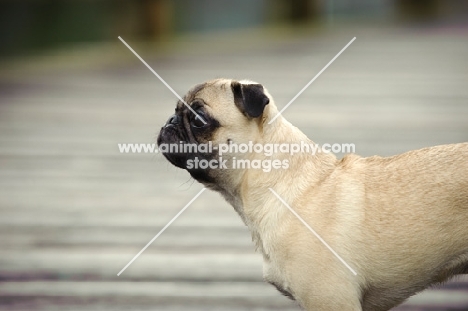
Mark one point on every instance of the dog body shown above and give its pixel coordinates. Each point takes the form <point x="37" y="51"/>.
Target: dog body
<point x="401" y="222"/>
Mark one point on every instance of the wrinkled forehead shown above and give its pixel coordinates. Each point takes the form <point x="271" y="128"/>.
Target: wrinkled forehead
<point x="208" y="90"/>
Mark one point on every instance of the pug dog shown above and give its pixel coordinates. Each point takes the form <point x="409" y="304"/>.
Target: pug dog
<point x="400" y="222"/>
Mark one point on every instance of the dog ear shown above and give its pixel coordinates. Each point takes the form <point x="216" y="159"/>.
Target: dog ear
<point x="249" y="98"/>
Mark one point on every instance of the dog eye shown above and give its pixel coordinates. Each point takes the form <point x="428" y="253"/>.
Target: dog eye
<point x="197" y="122"/>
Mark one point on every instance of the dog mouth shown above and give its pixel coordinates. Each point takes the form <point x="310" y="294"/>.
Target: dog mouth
<point x="170" y="137"/>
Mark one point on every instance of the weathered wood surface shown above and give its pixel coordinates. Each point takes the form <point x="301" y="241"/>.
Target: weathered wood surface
<point x="73" y="211"/>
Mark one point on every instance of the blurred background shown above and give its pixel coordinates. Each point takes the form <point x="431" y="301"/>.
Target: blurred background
<point x="74" y="211"/>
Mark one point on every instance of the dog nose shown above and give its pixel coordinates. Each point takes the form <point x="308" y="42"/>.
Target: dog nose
<point x="174" y="120"/>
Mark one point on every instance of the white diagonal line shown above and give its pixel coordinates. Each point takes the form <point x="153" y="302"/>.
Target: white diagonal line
<point x="310" y="82"/>
<point x="313" y="231"/>
<point x="162" y="80"/>
<point x="160" y="232"/>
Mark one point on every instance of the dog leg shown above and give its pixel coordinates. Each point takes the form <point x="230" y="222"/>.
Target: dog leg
<point x="330" y="302"/>
<point x="331" y="294"/>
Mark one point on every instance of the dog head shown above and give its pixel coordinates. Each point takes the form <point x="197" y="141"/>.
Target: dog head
<point x="222" y="112"/>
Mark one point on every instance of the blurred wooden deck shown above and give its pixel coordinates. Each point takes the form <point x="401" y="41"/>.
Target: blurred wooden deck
<point x="74" y="211"/>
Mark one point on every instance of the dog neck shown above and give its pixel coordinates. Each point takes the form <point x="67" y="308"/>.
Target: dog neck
<point x="247" y="195"/>
<point x="313" y="166"/>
